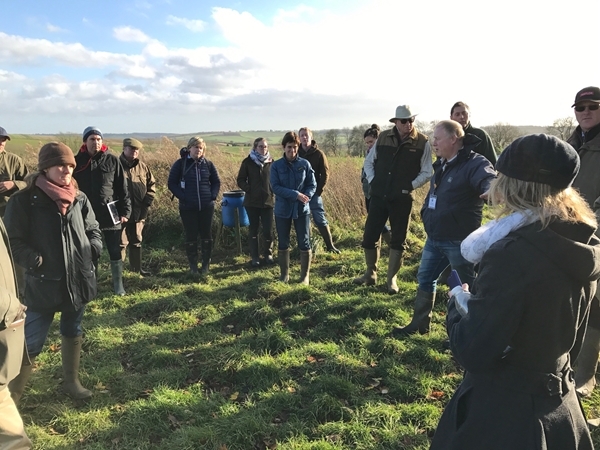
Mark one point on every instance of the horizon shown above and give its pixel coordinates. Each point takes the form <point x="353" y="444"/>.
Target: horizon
<point x="179" y="65"/>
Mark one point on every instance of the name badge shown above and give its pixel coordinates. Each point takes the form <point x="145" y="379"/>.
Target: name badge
<point x="432" y="202"/>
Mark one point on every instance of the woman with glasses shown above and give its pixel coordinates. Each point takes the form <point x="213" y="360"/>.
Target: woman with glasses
<point x="254" y="179"/>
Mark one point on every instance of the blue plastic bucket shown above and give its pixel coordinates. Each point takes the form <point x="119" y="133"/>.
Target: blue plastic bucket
<point x="233" y="200"/>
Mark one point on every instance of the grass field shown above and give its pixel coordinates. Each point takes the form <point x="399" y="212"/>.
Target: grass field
<point x="241" y="361"/>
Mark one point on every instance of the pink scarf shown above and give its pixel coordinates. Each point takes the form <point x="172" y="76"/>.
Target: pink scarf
<point x="62" y="195"/>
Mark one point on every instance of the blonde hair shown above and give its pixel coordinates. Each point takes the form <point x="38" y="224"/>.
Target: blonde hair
<point x="510" y="195"/>
<point x="196" y="141"/>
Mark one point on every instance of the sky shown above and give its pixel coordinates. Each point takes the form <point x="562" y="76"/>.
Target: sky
<point x="179" y="66"/>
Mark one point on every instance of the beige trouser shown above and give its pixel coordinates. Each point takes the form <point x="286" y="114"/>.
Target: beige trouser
<point x="12" y="430"/>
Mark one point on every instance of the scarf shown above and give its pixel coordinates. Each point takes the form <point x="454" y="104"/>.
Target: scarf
<point x="259" y="159"/>
<point x="477" y="243"/>
<point x="62" y="195"/>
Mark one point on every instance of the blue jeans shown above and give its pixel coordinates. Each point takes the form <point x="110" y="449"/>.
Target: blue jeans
<point x="284" y="227"/>
<point x="318" y="211"/>
<point x="435" y="258"/>
<point x="37" y="325"/>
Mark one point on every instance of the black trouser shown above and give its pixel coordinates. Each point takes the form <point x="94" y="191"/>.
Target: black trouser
<point x="197" y="222"/>
<point x="398" y="211"/>
<point x="258" y="216"/>
<point x="112" y="238"/>
<point x="386" y="229"/>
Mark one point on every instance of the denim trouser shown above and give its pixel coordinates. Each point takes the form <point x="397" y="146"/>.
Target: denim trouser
<point x="284" y="226"/>
<point x="318" y="211"/>
<point x="435" y="258"/>
<point x="37" y="325"/>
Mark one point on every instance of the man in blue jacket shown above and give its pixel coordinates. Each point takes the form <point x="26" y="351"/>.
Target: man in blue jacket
<point x="452" y="210"/>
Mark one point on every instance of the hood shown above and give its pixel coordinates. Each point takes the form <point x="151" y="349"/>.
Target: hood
<point x="573" y="247"/>
<point x="310" y="150"/>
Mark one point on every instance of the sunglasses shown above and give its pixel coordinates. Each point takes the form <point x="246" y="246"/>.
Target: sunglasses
<point x="590" y="107"/>
<point x="412" y="119"/>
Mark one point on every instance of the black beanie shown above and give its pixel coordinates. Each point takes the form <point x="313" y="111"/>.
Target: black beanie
<point x="540" y="158"/>
<point x="55" y="154"/>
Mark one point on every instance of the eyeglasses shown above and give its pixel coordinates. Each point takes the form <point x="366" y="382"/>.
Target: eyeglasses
<point x="411" y="120"/>
<point x="590" y="107"/>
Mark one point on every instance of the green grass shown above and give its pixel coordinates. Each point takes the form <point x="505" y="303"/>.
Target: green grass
<point x="241" y="361"/>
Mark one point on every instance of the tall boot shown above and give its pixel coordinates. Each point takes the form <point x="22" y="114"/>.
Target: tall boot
<point x="268" y="252"/>
<point x="421" y="316"/>
<point x="305" y="259"/>
<point x="585" y="371"/>
<point x="283" y="258"/>
<point x="116" y="269"/>
<point x="71" y="354"/>
<point x="17" y="385"/>
<point x="326" y="234"/>
<point x="386" y="237"/>
<point x="191" y="251"/>
<point x="370" y="276"/>
<point x="206" y="254"/>
<point x="135" y="261"/>
<point x="254" y="251"/>
<point x="394" y="264"/>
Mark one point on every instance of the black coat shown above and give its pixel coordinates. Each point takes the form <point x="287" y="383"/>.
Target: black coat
<point x="102" y="179"/>
<point x="255" y="181"/>
<point x="67" y="245"/>
<point x="526" y="320"/>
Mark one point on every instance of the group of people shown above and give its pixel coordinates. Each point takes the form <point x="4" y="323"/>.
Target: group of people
<point x="525" y="313"/>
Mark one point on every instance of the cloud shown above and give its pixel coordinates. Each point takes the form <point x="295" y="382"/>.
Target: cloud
<point x="54" y="29"/>
<point x="194" y="25"/>
<point x="129" y="34"/>
<point x="28" y="51"/>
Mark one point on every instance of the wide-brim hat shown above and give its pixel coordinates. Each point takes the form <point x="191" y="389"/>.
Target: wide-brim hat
<point x="403" y="112"/>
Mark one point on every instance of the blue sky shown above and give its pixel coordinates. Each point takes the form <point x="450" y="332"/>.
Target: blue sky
<point x="193" y="66"/>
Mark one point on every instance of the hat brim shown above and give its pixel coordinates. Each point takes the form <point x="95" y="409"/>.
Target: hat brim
<point x="393" y="119"/>
<point x="585" y="100"/>
<point x="6" y="136"/>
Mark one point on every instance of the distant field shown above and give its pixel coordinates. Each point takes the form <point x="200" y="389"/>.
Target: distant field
<point x="229" y="142"/>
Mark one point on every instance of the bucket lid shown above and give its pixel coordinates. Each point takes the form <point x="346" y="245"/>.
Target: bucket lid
<point x="236" y="193"/>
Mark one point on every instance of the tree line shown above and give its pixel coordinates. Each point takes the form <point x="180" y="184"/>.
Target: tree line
<point x="349" y="141"/>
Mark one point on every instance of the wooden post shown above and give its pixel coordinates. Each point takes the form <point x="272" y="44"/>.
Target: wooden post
<point x="238" y="234"/>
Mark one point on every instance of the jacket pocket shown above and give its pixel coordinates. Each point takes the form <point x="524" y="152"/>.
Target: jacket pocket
<point x="87" y="287"/>
<point x="43" y="292"/>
